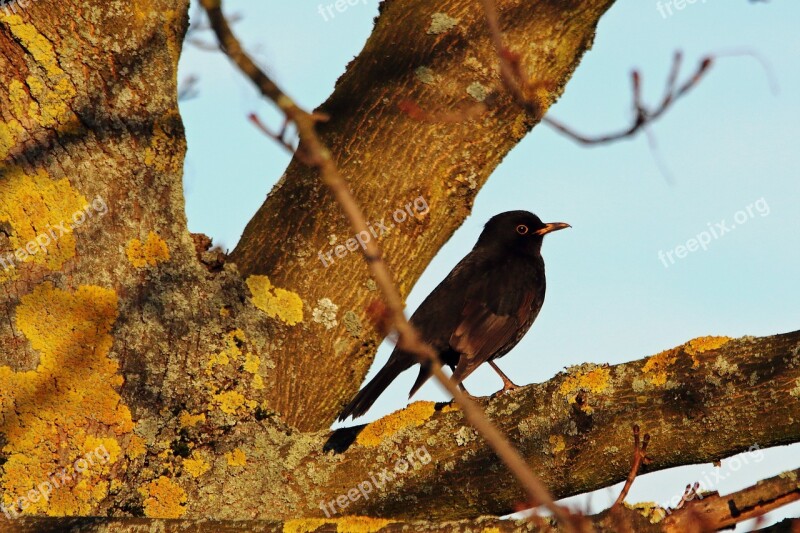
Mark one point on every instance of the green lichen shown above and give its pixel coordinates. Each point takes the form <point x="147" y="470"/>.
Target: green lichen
<point x="478" y="91"/>
<point x="441" y="22"/>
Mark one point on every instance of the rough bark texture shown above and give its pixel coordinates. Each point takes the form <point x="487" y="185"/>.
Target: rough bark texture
<point x="194" y="382"/>
<point x="439" y="56"/>
<point x="709" y="513"/>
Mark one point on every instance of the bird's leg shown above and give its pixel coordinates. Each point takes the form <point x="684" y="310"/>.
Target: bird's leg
<point x="466" y="393"/>
<point x="508" y="385"/>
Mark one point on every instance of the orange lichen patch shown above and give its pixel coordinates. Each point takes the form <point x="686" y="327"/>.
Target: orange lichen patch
<point x="163" y="498"/>
<point x="304" y="525"/>
<point x="346" y="524"/>
<point x="236" y="458"/>
<point x="137" y="447"/>
<point x="656" y="366"/>
<point x="151" y="252"/>
<point x="188" y="420"/>
<point x="277" y="303"/>
<point x="557" y="443"/>
<point x="39" y="210"/>
<point x="196" y="465"/>
<point x="65" y="415"/>
<point x="596" y="380"/>
<point x="412" y="416"/>
<point x="703" y="344"/>
<point x="450" y="407"/>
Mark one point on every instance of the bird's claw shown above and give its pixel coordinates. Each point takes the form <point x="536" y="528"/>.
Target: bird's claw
<point x="508" y="386"/>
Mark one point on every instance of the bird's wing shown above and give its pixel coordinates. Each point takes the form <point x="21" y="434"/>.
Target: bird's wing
<point x="490" y="320"/>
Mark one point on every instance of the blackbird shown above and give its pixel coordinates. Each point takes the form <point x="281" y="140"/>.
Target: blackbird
<point x="480" y="311"/>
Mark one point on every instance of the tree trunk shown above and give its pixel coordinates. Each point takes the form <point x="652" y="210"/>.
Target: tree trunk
<point x="140" y="378"/>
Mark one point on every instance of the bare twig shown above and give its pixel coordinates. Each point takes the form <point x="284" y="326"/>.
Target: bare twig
<point x="642" y="115"/>
<point x="518" y="85"/>
<point x="715" y="512"/>
<point x="511" y="71"/>
<point x="320" y="157"/>
<point x="689" y="494"/>
<point x="188" y="88"/>
<point x="639" y="458"/>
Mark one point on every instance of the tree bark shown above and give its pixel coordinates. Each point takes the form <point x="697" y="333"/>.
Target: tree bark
<point x="209" y="390"/>
<point x="438" y="56"/>
<point x="710" y="512"/>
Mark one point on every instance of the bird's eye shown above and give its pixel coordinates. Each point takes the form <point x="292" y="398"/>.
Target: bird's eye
<point x="522" y="229"/>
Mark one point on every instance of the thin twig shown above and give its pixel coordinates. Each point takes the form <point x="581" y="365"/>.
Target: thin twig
<point x="689" y="494"/>
<point x="639" y="458"/>
<point x="409" y="340"/>
<point x="642" y="115"/>
<point x="517" y="84"/>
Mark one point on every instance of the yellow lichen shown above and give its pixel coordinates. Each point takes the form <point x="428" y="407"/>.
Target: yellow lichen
<point x="236" y="458"/>
<point x="251" y="363"/>
<point x="39" y="210"/>
<point x="450" y="407"/>
<point x="346" y="524"/>
<point x="412" y="416"/>
<point x="231" y="401"/>
<point x="703" y="344"/>
<point x="232" y="350"/>
<point x="596" y="380"/>
<point x="52" y="90"/>
<point x="188" y="420"/>
<point x="196" y="465"/>
<point x="656" y="366"/>
<point x="653" y="512"/>
<point x="277" y="303"/>
<point x="360" y="524"/>
<point x="163" y="498"/>
<point x="66" y="413"/>
<point x="159" y="154"/>
<point x="151" y="252"/>
<point x="10" y="134"/>
<point x="304" y="525"/>
<point x="136" y="447"/>
<point x="557" y="443"/>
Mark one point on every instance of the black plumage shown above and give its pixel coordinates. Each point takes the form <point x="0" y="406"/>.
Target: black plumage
<point x="481" y="310"/>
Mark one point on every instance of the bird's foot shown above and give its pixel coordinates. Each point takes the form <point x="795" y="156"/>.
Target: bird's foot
<point x="508" y="386"/>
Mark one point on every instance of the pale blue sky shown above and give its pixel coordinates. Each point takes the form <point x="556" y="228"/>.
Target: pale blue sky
<point x="730" y="144"/>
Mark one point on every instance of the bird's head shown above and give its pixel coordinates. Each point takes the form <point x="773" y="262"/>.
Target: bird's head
<point x="520" y="231"/>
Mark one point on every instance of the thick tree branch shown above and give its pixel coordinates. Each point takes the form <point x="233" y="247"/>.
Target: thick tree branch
<point x="712" y="513"/>
<point x="701" y="402"/>
<point x="317" y="155"/>
<point x="425" y="53"/>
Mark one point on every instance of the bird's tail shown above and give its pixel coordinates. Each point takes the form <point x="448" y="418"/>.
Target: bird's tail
<point x="424" y="375"/>
<point x="367" y="396"/>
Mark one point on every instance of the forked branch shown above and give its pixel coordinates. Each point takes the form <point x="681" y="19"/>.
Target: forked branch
<point x="316" y="154"/>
